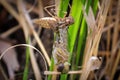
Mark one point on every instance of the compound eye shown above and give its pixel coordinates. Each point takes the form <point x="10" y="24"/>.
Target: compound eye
<point x="60" y="67"/>
<point x="69" y="20"/>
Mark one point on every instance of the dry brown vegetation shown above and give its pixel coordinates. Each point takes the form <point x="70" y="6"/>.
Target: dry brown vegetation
<point x="17" y="27"/>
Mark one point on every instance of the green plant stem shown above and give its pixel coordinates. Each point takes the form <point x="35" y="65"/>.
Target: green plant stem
<point x="25" y="75"/>
<point x="51" y="68"/>
<point x="82" y="36"/>
<point x="95" y="6"/>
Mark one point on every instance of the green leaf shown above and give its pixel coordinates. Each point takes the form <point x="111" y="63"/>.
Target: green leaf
<point x="63" y="7"/>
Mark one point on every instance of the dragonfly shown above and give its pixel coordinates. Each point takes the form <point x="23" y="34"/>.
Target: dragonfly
<point x="59" y="26"/>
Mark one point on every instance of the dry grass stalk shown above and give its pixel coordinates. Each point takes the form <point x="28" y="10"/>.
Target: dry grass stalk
<point x="104" y="53"/>
<point x="9" y="8"/>
<point x="57" y="2"/>
<point x="116" y="28"/>
<point x="109" y="27"/>
<point x="58" y="73"/>
<point x="10" y="31"/>
<point x="10" y="58"/>
<point x="2" y="73"/>
<point x="34" y="42"/>
<point x="25" y="16"/>
<point x="41" y="14"/>
<point x="94" y="38"/>
<point x="109" y="22"/>
<point x="115" y="37"/>
<point x="115" y="65"/>
<point x="32" y="47"/>
<point x="112" y="60"/>
<point x="35" y="66"/>
<point x="22" y="22"/>
<point x="35" y="10"/>
<point x="31" y="27"/>
<point x="40" y="8"/>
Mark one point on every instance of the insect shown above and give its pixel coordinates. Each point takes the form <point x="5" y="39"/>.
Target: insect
<point x="58" y="25"/>
<point x="54" y="23"/>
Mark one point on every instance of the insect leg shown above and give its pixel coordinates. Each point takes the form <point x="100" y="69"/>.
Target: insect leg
<point x="46" y="9"/>
<point x="53" y="10"/>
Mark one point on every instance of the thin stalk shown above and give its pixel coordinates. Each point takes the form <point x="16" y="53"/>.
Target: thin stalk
<point x="26" y="70"/>
<point x="28" y="23"/>
<point x="24" y="26"/>
<point x="97" y="35"/>
<point x="10" y="31"/>
<point x="117" y="60"/>
<point x="51" y="68"/>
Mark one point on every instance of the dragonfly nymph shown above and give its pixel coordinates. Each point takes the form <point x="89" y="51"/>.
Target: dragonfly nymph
<point x="59" y="26"/>
<point x="54" y="23"/>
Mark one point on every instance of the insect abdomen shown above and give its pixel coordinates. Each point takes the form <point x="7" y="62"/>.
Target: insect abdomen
<point x="46" y="22"/>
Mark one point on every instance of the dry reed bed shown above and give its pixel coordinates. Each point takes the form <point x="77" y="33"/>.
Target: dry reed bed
<point x="111" y="30"/>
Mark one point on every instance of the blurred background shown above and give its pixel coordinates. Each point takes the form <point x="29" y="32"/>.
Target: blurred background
<point x="15" y="29"/>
